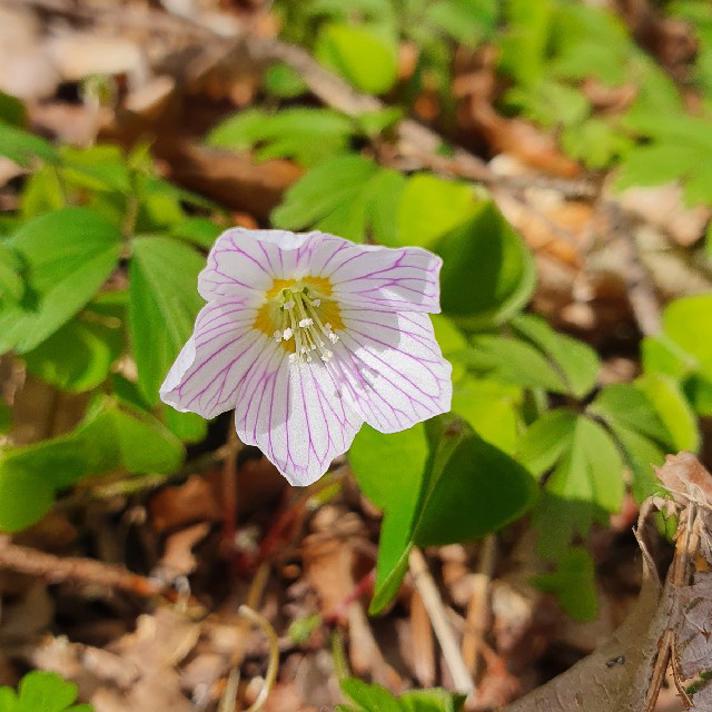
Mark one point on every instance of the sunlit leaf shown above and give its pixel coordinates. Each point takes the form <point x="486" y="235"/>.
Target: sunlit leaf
<point x="364" y="55"/>
<point x="67" y="255"/>
<point x="423" y="501"/>
<point x="163" y="304"/>
<point x="431" y="206"/>
<point x="488" y="274"/>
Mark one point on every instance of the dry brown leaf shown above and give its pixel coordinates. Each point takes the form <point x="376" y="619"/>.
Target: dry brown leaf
<point x="177" y="506"/>
<point x="178" y="559"/>
<point x="686" y="479"/>
<point x="664" y="207"/>
<point x="521" y="139"/>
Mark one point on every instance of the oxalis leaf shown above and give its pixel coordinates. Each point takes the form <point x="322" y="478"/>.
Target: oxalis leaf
<point x="22" y="147"/>
<point x="366" y="56"/>
<point x="374" y="698"/>
<point x="576" y="362"/>
<point x="41" y="691"/>
<point x="436" y="485"/>
<point x="67" y="255"/>
<point x="682" y="354"/>
<point x="574" y="584"/>
<point x="587" y="479"/>
<point x="79" y="356"/>
<point x="163" y="304"/>
<point x="488" y="274"/>
<point x="305" y="134"/>
<point x="113" y="435"/>
<point x="349" y="195"/>
<point x="641" y="434"/>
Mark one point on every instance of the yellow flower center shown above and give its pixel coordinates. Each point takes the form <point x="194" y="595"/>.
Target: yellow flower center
<point x="301" y="316"/>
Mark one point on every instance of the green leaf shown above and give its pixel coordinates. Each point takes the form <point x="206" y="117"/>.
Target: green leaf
<point x="688" y="323"/>
<point x="306" y="134"/>
<point x="431" y="206"/>
<point x="189" y="427"/>
<point x="284" y="82"/>
<point x="660" y="354"/>
<point x="79" y="356"/>
<point x="595" y="142"/>
<point x="364" y="55"/>
<point x="592" y="473"/>
<point x="101" y="167"/>
<point x="461" y="471"/>
<point x="656" y="164"/>
<point x="371" y="457"/>
<point x="113" y="435"/>
<point x="577" y="362"/>
<point x="546" y="440"/>
<point x="513" y="361"/>
<point x="68" y="254"/>
<point x="371" y="698"/>
<point x="673" y="409"/>
<point x="41" y="691"/>
<point x="374" y="123"/>
<point x="550" y="103"/>
<point x="467" y="21"/>
<point x="492" y="409"/>
<point x="422" y="504"/>
<point x="12" y="286"/>
<point x="587" y="480"/>
<point x="488" y="274"/>
<point x="43" y="191"/>
<point x="452" y="343"/>
<point x="163" y="304"/>
<point x="641" y="434"/>
<point x="200" y="231"/>
<point x="434" y="700"/>
<point x="349" y="195"/>
<point x="374" y="698"/>
<point x="12" y="110"/>
<point x="574" y="584"/>
<point x="22" y="147"/>
<point x="524" y="46"/>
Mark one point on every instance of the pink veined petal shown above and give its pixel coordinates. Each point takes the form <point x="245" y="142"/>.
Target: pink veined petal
<point x="403" y="279"/>
<point x="390" y="368"/>
<point x="222" y="348"/>
<point x="293" y="414"/>
<point x="246" y="262"/>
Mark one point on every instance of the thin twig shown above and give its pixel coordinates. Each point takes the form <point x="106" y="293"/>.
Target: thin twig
<point x="436" y="610"/>
<point x="273" y="665"/>
<point x="56" y="569"/>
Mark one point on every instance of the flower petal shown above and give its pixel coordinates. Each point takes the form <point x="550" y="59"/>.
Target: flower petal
<point x="403" y="279"/>
<point x="223" y="346"/>
<point x="391" y="369"/>
<point x="245" y="262"/>
<point x="293" y="414"/>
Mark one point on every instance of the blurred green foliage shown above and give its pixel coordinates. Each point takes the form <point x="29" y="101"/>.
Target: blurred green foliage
<point x="41" y="692"/>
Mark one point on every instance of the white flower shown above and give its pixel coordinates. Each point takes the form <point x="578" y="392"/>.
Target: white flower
<point x="307" y="336"/>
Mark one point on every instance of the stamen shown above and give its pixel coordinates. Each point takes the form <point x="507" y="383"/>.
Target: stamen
<point x="300" y="320"/>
